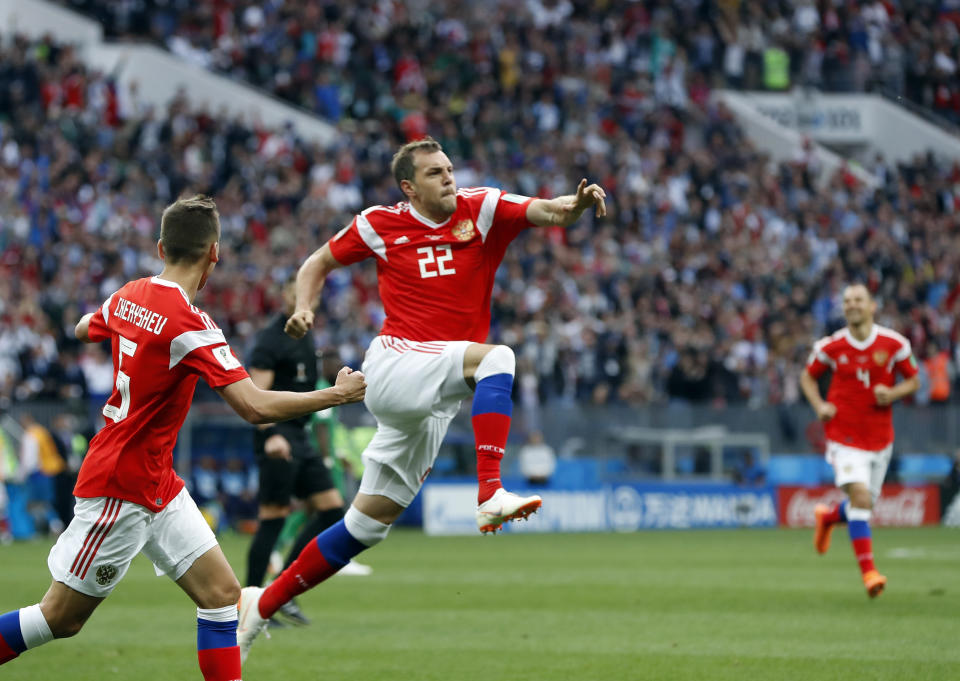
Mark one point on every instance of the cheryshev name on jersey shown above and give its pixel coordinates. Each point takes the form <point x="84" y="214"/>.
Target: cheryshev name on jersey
<point x="139" y="316"/>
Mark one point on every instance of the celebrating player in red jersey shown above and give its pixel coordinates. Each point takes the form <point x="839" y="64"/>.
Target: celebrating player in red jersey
<point x="128" y="497"/>
<point x="436" y="256"/>
<point x="864" y="358"/>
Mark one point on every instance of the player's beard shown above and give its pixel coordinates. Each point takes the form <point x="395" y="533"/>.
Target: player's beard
<point x="446" y="205"/>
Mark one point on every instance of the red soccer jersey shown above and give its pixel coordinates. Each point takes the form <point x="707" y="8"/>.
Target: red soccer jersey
<point x="161" y="345"/>
<point x="857" y="368"/>
<point x="435" y="279"/>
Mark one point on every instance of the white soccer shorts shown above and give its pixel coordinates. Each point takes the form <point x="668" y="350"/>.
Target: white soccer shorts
<point x="859" y="465"/>
<point x="95" y="551"/>
<point x="414" y="390"/>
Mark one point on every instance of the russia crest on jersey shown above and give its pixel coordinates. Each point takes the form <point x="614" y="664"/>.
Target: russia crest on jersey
<point x="463" y="230"/>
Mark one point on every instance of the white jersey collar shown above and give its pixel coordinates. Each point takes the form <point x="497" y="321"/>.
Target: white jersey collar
<point x="427" y="221"/>
<point x="864" y="344"/>
<point x="170" y="284"/>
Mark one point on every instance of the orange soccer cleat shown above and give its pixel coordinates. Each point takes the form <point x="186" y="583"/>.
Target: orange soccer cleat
<point x="822" y="530"/>
<point x="874" y="582"/>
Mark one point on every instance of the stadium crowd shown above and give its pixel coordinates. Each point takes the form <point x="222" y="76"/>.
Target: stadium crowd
<point x="354" y="59"/>
<point x="708" y="282"/>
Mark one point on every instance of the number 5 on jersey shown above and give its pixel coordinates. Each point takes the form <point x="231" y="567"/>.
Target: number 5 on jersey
<point x="127" y="347"/>
<point x="435" y="255"/>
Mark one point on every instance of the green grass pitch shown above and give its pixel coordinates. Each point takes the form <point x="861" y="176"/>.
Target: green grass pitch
<point x="698" y="605"/>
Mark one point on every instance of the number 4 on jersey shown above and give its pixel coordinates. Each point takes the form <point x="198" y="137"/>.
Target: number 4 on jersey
<point x="863" y="375"/>
<point x="127" y="347"/>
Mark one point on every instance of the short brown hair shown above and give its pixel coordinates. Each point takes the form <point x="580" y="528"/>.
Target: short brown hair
<point x="188" y="227"/>
<point x="402" y="164"/>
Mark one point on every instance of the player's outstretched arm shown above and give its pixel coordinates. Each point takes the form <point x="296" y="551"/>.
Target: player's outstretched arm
<point x="82" y="329"/>
<point x="565" y="210"/>
<point x="310" y="280"/>
<point x="270" y="406"/>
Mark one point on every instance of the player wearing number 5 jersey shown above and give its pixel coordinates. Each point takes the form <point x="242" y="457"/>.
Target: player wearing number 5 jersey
<point x="129" y="499"/>
<point x="864" y="359"/>
<point x="436" y="255"/>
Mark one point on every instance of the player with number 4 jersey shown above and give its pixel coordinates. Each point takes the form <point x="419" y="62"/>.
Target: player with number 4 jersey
<point x="864" y="359"/>
<point x="437" y="254"/>
<point x="129" y="499"/>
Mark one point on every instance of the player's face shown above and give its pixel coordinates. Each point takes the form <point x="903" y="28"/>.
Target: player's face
<point x="858" y="306"/>
<point x="433" y="182"/>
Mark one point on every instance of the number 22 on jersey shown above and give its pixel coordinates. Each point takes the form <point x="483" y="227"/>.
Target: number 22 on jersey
<point x="434" y="261"/>
<point x="127" y="347"/>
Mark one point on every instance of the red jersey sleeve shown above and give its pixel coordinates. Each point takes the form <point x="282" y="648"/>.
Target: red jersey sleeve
<point x="904" y="361"/>
<point x="502" y="216"/>
<point x="819" y="360"/>
<point x="98" y="328"/>
<point x="349" y="245"/>
<point x="511" y="212"/>
<point x="202" y="348"/>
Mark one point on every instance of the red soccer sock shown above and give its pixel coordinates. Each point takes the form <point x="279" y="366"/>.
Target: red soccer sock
<point x="220" y="664"/>
<point x="309" y="569"/>
<point x="6" y="652"/>
<point x="863" y="550"/>
<point x="490" y="431"/>
<point x="834" y="515"/>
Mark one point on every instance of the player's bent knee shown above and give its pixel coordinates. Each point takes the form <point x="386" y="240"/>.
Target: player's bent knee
<point x="365" y="529"/>
<point x="222" y="593"/>
<point x="500" y="360"/>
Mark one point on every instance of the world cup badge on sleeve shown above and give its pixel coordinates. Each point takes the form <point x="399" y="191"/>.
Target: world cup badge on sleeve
<point x="463" y="230"/>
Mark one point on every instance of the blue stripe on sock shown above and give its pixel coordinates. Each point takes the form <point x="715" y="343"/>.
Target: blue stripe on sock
<point x="337" y="545"/>
<point x="843" y="511"/>
<point x="216" y="634"/>
<point x="858" y="529"/>
<point x="10" y="630"/>
<point x="493" y="395"/>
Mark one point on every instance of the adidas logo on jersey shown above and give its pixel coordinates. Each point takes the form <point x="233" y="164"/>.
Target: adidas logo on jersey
<point x="400" y="240"/>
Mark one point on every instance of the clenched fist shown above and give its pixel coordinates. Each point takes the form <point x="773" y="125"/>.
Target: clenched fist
<point x="352" y="385"/>
<point x="299" y="323"/>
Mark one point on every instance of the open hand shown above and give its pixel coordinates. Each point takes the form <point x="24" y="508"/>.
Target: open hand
<point x="590" y="195"/>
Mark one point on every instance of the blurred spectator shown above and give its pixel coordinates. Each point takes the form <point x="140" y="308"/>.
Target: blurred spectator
<point x="206" y="481"/>
<point x="749" y="472"/>
<point x="72" y="447"/>
<point x="950" y="490"/>
<point x="537" y="459"/>
<point x="239" y="487"/>
<point x="938" y="373"/>
<point x="8" y="468"/>
<point x="40" y="463"/>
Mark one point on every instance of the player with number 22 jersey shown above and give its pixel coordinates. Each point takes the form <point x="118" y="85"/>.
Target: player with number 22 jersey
<point x="447" y="267"/>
